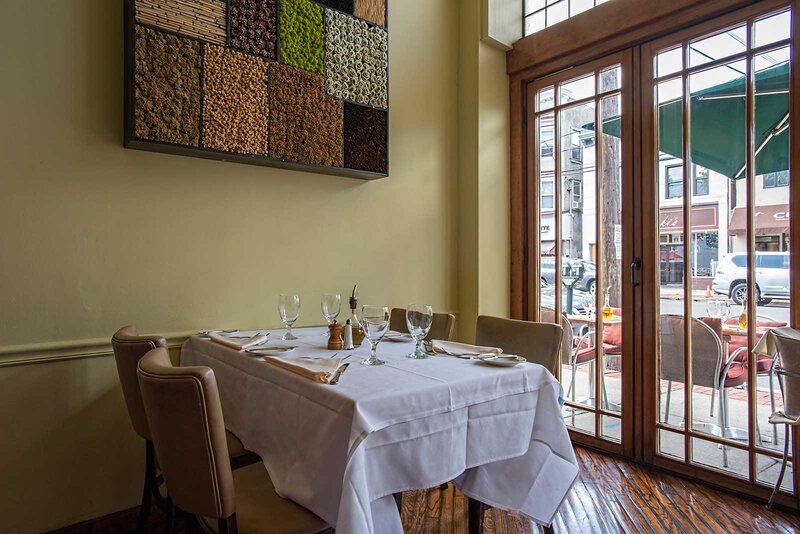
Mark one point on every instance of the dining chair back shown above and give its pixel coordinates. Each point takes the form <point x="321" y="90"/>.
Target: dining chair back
<point x="536" y="342"/>
<point x="185" y="418"/>
<point x="442" y="327"/>
<point x="129" y="347"/>
<point x="548" y="315"/>
<point x="706" y="351"/>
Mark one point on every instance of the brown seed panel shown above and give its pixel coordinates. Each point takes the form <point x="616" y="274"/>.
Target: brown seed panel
<point x="253" y="26"/>
<point x="305" y="123"/>
<point x="365" y="138"/>
<point x="235" y="107"/>
<point x="371" y="10"/>
<point x="204" y="19"/>
<point x="167" y="88"/>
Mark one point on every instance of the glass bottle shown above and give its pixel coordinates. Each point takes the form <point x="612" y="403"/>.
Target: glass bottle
<point x="358" y="332"/>
<point x="743" y="315"/>
<point x="608" y="313"/>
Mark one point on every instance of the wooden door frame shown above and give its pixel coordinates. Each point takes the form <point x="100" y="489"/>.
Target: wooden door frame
<point x="625" y="60"/>
<point x="650" y="203"/>
<point x="550" y="51"/>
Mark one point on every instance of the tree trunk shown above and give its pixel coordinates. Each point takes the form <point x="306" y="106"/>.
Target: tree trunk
<point x="610" y="191"/>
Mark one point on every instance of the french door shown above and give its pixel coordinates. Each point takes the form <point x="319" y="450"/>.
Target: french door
<point x="716" y="196"/>
<point x="658" y="202"/>
<point x="582" y="198"/>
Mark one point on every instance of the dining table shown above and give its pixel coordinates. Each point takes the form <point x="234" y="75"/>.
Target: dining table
<point x="342" y="451"/>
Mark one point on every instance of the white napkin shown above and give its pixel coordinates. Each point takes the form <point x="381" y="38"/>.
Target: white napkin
<point x="317" y="369"/>
<point x="462" y="349"/>
<point x="238" y="344"/>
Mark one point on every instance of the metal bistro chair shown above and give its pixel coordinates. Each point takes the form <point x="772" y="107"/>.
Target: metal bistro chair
<point x="129" y="348"/>
<point x="185" y="417"/>
<point x="442" y="327"/>
<point x="709" y="367"/>
<point x="787" y="341"/>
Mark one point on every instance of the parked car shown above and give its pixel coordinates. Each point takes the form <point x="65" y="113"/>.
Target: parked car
<point x="772" y="276"/>
<point x="587" y="282"/>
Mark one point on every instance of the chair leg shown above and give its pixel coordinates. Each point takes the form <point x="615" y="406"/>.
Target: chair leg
<point x="669" y="397"/>
<point x="147" y="490"/>
<point x="772" y="404"/>
<point x="723" y="412"/>
<point x="476" y="511"/>
<point x="713" y="397"/>
<point x="783" y="469"/>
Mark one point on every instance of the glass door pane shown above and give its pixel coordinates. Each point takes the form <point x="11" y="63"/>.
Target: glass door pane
<point x="580" y="183"/>
<point x="719" y="99"/>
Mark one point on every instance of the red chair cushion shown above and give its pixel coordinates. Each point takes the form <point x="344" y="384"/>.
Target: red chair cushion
<point x="737" y="375"/>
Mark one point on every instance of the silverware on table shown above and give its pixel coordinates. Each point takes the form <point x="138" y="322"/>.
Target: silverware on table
<point x="339" y="372"/>
<point x="334" y="355"/>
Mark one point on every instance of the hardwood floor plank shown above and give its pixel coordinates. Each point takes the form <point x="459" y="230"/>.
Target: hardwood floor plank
<point x="612" y="495"/>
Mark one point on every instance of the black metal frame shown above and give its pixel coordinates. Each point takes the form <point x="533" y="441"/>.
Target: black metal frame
<point x="131" y="141"/>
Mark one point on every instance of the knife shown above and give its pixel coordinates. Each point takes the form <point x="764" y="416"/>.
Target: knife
<point x="339" y="372"/>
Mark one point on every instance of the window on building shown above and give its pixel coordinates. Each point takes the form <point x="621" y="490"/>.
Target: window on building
<point x="700" y="181"/>
<point x="547" y="195"/>
<point x="541" y="14"/>
<point x="776" y="179"/>
<point x="674" y="182"/>
<point x="575" y="146"/>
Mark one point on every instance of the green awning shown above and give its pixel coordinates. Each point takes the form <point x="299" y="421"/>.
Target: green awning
<point x="718" y="119"/>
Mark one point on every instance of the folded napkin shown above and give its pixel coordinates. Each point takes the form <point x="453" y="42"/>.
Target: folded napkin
<point x="317" y="369"/>
<point x="462" y="349"/>
<point x="238" y="344"/>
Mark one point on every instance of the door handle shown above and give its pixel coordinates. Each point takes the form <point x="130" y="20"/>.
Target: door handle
<point x="636" y="266"/>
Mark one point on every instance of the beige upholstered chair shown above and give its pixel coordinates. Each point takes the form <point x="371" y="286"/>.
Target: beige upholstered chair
<point x="129" y="348"/>
<point x="442" y="328"/>
<point x="787" y="341"/>
<point x="185" y="419"/>
<point x="536" y="342"/>
<point x="540" y="343"/>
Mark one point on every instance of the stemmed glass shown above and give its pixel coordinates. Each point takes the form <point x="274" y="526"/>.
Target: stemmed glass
<point x="419" y="318"/>
<point x="724" y="310"/>
<point x="289" y="310"/>
<point x="331" y="305"/>
<point x="713" y="308"/>
<point x="375" y="323"/>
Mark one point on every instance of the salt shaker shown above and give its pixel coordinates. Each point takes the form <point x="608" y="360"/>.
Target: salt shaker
<point x="348" y="336"/>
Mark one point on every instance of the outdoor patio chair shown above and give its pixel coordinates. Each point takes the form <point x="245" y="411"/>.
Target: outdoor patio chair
<point x="787" y="341"/>
<point x="709" y="368"/>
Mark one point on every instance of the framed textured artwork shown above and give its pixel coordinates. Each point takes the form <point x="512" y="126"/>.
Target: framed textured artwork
<point x="299" y="84"/>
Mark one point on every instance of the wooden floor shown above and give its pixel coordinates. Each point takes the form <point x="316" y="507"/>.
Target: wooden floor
<point x="611" y="496"/>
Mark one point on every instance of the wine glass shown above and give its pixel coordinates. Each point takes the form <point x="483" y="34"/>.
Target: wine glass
<point x="419" y="318"/>
<point x="724" y="309"/>
<point x="713" y="308"/>
<point x="331" y="305"/>
<point x="289" y="310"/>
<point x="375" y="323"/>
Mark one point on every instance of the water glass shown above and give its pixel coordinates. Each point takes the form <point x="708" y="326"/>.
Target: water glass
<point x="713" y="308"/>
<point x="419" y="318"/>
<point x="375" y="324"/>
<point x="289" y="310"/>
<point x="331" y="305"/>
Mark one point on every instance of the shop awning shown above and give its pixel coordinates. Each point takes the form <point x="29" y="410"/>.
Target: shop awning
<point x="718" y="119"/>
<point x="769" y="220"/>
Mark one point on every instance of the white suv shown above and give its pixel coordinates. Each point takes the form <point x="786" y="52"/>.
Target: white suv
<point x="772" y="276"/>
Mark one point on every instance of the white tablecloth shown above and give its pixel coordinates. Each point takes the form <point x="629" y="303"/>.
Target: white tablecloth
<point x="342" y="451"/>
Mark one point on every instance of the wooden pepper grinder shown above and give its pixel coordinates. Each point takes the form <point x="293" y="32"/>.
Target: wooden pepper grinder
<point x="336" y="338"/>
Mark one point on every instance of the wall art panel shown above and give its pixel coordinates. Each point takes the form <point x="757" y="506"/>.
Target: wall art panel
<point x="298" y="84"/>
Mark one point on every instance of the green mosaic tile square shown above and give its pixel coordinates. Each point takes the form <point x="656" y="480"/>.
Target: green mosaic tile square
<point x="301" y="34"/>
